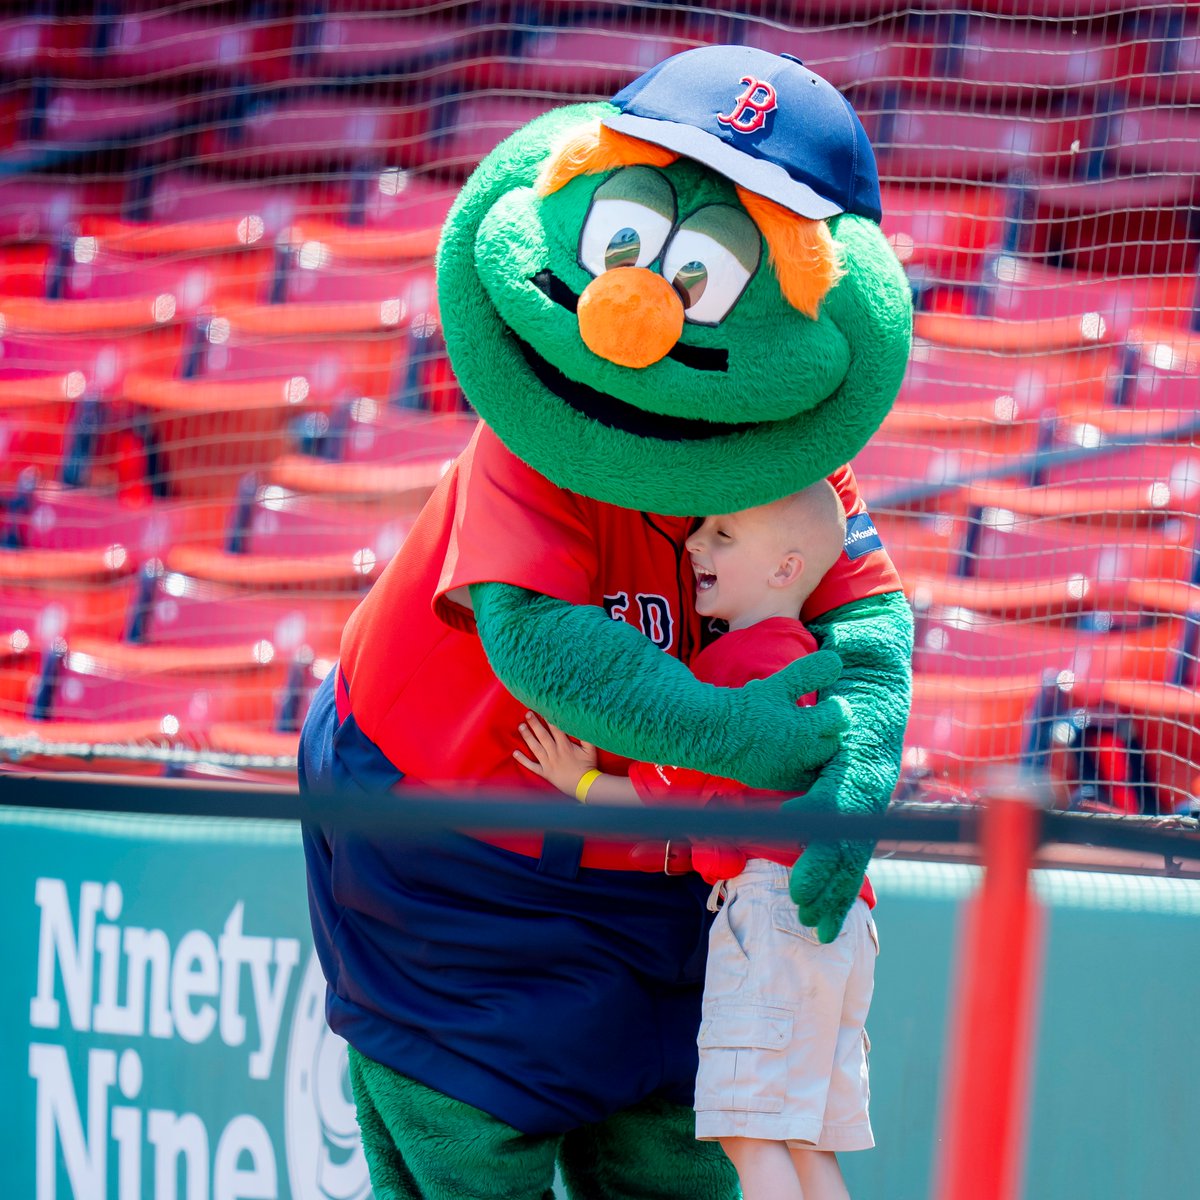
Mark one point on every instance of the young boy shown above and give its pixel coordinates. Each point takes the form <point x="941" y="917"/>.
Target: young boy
<point x="782" y="1081"/>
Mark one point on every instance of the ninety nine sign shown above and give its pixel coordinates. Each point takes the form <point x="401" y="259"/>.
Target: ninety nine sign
<point x="164" y="1017"/>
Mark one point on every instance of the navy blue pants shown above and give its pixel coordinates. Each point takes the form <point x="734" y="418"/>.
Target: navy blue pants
<point x="544" y="994"/>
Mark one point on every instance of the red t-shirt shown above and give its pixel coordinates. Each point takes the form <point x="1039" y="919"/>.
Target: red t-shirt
<point x="732" y="661"/>
<point x="419" y="683"/>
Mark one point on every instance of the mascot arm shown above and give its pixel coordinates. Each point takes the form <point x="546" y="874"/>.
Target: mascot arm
<point x="604" y="682"/>
<point x="873" y="638"/>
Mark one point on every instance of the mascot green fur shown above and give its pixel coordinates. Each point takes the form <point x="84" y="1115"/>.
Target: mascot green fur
<point x="678" y="303"/>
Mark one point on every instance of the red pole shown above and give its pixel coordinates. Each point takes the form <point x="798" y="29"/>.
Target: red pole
<point x="992" y="1026"/>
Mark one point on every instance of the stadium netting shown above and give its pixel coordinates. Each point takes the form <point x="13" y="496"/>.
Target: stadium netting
<point x="224" y="396"/>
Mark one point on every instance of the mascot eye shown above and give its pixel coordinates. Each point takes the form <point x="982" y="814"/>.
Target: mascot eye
<point x="690" y="281"/>
<point x="624" y="249"/>
<point x="710" y="260"/>
<point x="631" y="215"/>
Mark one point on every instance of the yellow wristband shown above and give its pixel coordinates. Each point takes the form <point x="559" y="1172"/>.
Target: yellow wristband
<point x="585" y="783"/>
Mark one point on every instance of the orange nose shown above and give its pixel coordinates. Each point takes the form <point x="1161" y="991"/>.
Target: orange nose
<point x="630" y="316"/>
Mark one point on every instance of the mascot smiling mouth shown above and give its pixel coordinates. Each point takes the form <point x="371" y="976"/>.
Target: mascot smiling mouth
<point x="617" y="414"/>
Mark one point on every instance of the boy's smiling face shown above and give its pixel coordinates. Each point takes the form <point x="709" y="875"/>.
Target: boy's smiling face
<point x="741" y="564"/>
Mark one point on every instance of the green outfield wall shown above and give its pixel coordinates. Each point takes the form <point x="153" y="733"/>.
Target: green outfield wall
<point x="163" y="1030"/>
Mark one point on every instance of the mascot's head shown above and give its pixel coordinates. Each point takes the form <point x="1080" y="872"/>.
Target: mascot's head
<point x="680" y="301"/>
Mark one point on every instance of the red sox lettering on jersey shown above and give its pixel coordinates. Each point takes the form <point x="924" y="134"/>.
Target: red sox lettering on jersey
<point x="651" y="614"/>
<point x="751" y="107"/>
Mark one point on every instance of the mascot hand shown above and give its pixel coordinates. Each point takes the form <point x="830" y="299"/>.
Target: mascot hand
<point x="806" y="737"/>
<point x="828" y="876"/>
<point x="873" y="638"/>
<point x="604" y="682"/>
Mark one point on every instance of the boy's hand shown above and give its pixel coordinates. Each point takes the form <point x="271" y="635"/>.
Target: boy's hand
<point x="555" y="756"/>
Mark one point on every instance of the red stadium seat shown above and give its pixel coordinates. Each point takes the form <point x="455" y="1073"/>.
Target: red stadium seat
<point x="45" y="383"/>
<point x="322" y="296"/>
<point x="963" y="413"/>
<point x="34" y="416"/>
<point x="54" y="593"/>
<point x="207" y="433"/>
<point x="1001" y="63"/>
<point x="260" y="209"/>
<point x="581" y="62"/>
<point x="383" y="434"/>
<point x="194" y="281"/>
<point x="80" y="116"/>
<point x="1121" y="486"/>
<point x="176" y="609"/>
<point x="316" y="277"/>
<point x="41" y="209"/>
<point x="1162" y="70"/>
<point x="472" y="127"/>
<point x="39" y="44"/>
<point x="293" y="525"/>
<point x="959" y="728"/>
<point x="1025" y="569"/>
<point x="316" y="133"/>
<point x="1053" y="10"/>
<point x="1167" y="720"/>
<point x="1165" y="595"/>
<point x="354" y="364"/>
<point x="920" y="543"/>
<point x="344" y="572"/>
<point x="19" y="660"/>
<point x="946" y="386"/>
<point x="406" y="484"/>
<point x="104" y="292"/>
<point x="102" y="680"/>
<point x="152" y="46"/>
<point x="849" y="57"/>
<point x="24" y="269"/>
<point x="1156" y="138"/>
<point x="1120" y="226"/>
<point x="1018" y="289"/>
<point x="1156" y="393"/>
<point x="402" y="202"/>
<point x="362" y="44"/>
<point x="52" y="517"/>
<point x="979" y="683"/>
<point x="102" y="742"/>
<point x="1070" y="332"/>
<point x="906" y="474"/>
<point x="943" y="233"/>
<point x="920" y="140"/>
<point x="966" y="644"/>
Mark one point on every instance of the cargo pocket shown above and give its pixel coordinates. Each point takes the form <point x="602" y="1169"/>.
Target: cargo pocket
<point x="787" y="920"/>
<point x="743" y="1064"/>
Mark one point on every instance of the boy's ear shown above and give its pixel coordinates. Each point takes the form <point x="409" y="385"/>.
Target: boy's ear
<point x="790" y="568"/>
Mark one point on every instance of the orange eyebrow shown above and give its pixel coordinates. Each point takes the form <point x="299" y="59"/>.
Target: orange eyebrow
<point x="803" y="252"/>
<point x="597" y="148"/>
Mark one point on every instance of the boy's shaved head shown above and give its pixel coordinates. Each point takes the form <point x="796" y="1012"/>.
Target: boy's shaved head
<point x="812" y="523"/>
<point x="766" y="561"/>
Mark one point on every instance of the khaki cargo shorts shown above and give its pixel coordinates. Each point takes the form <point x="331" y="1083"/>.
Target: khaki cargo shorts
<point x="783" y="1041"/>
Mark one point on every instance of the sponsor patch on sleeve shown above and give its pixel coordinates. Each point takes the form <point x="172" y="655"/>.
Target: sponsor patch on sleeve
<point x="861" y="536"/>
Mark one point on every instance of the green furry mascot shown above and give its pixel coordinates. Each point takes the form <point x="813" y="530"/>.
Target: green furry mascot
<point x="674" y="304"/>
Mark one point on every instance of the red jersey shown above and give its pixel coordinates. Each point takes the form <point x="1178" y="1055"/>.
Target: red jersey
<point x="419" y="683"/>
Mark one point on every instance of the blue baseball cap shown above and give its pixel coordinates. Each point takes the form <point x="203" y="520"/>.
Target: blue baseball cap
<point x="762" y="120"/>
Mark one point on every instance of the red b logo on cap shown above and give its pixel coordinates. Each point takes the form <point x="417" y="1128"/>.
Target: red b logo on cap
<point x="750" y="111"/>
